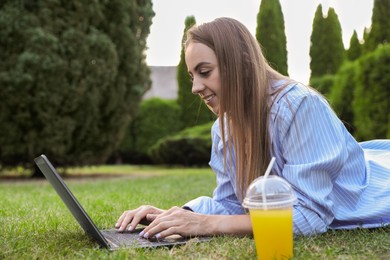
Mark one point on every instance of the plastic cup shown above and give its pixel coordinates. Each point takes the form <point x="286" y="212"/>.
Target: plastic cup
<point x="270" y="200"/>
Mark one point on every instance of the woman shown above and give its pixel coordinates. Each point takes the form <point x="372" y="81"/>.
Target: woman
<point x="262" y="114"/>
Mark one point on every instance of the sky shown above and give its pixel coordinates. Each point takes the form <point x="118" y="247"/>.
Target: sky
<point x="166" y="32"/>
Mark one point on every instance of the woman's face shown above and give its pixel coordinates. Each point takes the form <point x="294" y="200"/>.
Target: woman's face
<point x="204" y="71"/>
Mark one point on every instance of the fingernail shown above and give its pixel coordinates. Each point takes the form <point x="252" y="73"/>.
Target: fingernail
<point x="117" y="225"/>
<point x="146" y="235"/>
<point x="158" y="235"/>
<point x="141" y="234"/>
<point x="130" y="228"/>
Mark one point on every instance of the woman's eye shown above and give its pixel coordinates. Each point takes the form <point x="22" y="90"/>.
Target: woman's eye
<point x="204" y="73"/>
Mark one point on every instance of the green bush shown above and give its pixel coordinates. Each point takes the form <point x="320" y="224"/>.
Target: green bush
<point x="323" y="84"/>
<point x="192" y="146"/>
<point x="342" y="93"/>
<point x="72" y="74"/>
<point x="371" y="104"/>
<point x="156" y="118"/>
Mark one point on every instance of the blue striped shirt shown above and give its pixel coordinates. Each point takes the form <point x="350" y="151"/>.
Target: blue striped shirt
<point x="339" y="183"/>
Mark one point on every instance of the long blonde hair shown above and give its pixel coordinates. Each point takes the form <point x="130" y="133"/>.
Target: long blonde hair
<point x="245" y="85"/>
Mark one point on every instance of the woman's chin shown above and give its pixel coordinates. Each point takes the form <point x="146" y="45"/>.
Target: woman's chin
<point x="214" y="110"/>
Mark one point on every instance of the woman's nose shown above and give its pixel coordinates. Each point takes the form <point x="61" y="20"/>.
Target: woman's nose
<point x="197" y="86"/>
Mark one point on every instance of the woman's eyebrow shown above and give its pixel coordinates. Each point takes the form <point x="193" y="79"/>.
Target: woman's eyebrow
<point x="201" y="64"/>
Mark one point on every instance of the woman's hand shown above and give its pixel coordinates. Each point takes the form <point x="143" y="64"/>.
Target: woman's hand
<point x="175" y="221"/>
<point x="130" y="219"/>
<point x="178" y="221"/>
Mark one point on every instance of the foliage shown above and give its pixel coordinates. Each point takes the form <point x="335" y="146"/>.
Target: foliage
<point x="71" y="76"/>
<point x="371" y="104"/>
<point x="270" y="33"/>
<point x="156" y="118"/>
<point x="380" y="26"/>
<point x="193" y="110"/>
<point x="342" y="93"/>
<point x="191" y="146"/>
<point x="327" y="49"/>
<point x="323" y="84"/>
<point x="355" y="48"/>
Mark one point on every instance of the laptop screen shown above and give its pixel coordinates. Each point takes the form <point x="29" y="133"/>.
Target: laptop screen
<point x="70" y="201"/>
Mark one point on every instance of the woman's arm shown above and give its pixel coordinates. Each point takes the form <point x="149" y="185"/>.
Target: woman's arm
<point x="231" y="224"/>
<point x="225" y="199"/>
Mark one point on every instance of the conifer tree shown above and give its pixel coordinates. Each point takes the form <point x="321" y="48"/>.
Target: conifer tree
<point x="193" y="110"/>
<point x="366" y="32"/>
<point x="270" y="33"/>
<point x="317" y="43"/>
<point x="380" y="26"/>
<point x="71" y="74"/>
<point x="355" y="48"/>
<point x="327" y="50"/>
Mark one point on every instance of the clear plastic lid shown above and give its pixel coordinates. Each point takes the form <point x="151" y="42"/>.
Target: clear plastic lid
<point x="269" y="193"/>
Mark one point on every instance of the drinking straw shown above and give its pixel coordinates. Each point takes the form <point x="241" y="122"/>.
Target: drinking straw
<point x="267" y="172"/>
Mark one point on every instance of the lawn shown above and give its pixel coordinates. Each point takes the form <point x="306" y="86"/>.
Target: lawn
<point x="34" y="223"/>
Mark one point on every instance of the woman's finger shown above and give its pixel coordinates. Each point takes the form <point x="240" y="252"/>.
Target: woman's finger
<point x="173" y="221"/>
<point x="151" y="217"/>
<point x="156" y="229"/>
<point x="121" y="219"/>
<point x="131" y="218"/>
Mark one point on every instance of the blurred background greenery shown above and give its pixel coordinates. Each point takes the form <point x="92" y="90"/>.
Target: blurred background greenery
<point x="73" y="76"/>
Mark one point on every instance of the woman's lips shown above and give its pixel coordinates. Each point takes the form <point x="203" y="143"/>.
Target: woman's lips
<point x="208" y="99"/>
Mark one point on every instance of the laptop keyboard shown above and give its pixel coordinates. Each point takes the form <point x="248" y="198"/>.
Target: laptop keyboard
<point x="132" y="239"/>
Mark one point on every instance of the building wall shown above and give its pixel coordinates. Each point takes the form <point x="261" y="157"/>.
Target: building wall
<point x="164" y="82"/>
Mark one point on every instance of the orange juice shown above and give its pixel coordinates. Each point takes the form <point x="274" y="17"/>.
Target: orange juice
<point x="272" y="230"/>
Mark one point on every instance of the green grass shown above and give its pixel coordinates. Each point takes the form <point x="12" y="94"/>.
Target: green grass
<point x="34" y="222"/>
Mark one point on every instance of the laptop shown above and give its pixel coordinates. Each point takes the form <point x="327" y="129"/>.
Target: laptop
<point x="109" y="238"/>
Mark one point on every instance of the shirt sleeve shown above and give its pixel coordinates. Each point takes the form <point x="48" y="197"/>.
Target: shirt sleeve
<point x="224" y="200"/>
<point x="310" y="147"/>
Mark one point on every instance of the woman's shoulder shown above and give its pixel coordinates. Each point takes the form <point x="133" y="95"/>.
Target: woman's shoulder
<point x="290" y="92"/>
<point x="289" y="96"/>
